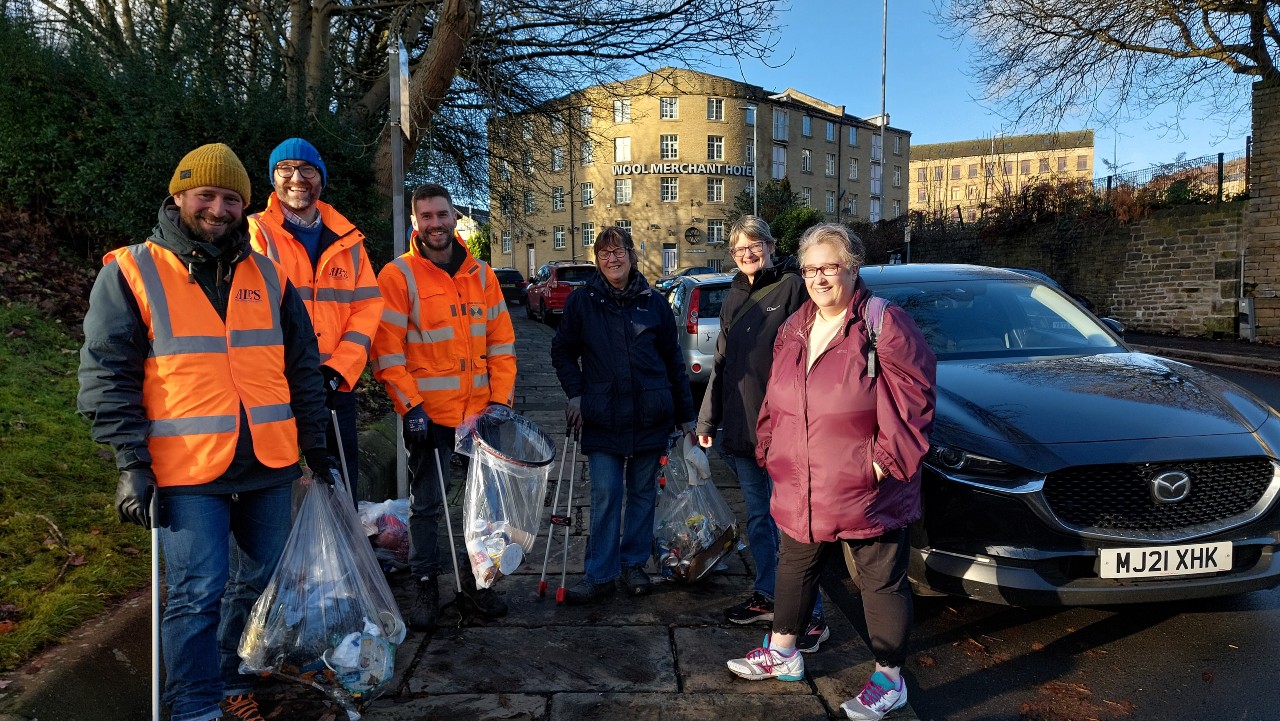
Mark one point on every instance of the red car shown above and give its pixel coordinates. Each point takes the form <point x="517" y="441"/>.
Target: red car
<point x="551" y="285"/>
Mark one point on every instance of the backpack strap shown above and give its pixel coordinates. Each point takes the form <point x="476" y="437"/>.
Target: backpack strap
<point x="874" y="318"/>
<point x="752" y="300"/>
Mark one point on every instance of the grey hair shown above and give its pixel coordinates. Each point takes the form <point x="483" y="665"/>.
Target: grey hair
<point x="752" y="226"/>
<point x="847" y="245"/>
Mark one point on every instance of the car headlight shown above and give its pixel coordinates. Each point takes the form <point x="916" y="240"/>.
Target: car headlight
<point x="962" y="465"/>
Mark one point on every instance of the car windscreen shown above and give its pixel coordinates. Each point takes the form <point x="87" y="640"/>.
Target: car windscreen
<point x="710" y="298"/>
<point x="509" y="276"/>
<point x="575" y="274"/>
<point x="998" y="318"/>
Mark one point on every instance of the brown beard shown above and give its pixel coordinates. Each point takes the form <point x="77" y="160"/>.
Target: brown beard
<point x="191" y="224"/>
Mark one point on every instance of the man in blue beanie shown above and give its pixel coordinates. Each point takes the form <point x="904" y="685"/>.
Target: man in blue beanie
<point x="325" y="258"/>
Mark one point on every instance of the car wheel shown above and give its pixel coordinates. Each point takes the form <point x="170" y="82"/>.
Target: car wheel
<point x="542" y="312"/>
<point x="528" y="309"/>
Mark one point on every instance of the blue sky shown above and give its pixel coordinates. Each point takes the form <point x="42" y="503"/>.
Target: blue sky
<point x="831" y="49"/>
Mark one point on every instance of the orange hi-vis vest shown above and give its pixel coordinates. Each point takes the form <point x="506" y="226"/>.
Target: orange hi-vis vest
<point x="341" y="292"/>
<point x="200" y="370"/>
<point x="445" y="342"/>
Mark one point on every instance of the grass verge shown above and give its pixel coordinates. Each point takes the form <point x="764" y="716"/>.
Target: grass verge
<point x="64" y="557"/>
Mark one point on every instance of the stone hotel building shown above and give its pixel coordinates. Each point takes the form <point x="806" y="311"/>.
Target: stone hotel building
<point x="664" y="155"/>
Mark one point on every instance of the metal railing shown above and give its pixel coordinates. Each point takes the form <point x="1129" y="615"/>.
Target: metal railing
<point x="1220" y="176"/>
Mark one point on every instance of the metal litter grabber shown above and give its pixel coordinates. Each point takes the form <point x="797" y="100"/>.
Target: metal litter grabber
<point x="466" y="605"/>
<point x="566" y="520"/>
<point x="155" y="604"/>
<point x="555" y="501"/>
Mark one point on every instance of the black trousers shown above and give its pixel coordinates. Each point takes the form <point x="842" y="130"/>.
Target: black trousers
<point x="425" y="502"/>
<point x="881" y="578"/>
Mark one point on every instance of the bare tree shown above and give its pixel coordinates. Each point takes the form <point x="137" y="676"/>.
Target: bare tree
<point x="1046" y="59"/>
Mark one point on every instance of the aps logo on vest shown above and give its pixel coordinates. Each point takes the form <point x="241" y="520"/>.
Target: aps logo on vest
<point x="248" y="295"/>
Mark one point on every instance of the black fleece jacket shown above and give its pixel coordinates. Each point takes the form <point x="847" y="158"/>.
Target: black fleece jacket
<point x="116" y="347"/>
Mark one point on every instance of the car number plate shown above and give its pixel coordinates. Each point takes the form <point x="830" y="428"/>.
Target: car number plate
<point x="1158" y="561"/>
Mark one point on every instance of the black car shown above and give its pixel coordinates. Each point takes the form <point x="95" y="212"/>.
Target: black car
<point x="1065" y="468"/>
<point x="514" y="288"/>
<point x="667" y="282"/>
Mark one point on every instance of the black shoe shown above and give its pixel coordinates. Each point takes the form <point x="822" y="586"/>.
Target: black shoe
<point x="423" y="614"/>
<point x="757" y="608"/>
<point x="814" y="634"/>
<point x="635" y="581"/>
<point x="587" y="592"/>
<point x="488" y="603"/>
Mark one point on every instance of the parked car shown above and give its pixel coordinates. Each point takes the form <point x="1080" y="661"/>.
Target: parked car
<point x="514" y="287"/>
<point x="695" y="301"/>
<point x="1066" y="468"/>
<point x="552" y="284"/>
<point x="1044" y="277"/>
<point x="667" y="282"/>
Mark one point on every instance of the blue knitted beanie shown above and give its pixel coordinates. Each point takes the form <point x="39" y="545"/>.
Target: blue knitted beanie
<point x="296" y="149"/>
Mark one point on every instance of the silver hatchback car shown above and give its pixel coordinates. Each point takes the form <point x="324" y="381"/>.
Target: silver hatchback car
<point x="695" y="301"/>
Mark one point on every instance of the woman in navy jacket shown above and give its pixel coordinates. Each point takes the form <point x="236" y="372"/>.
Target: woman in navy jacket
<point x="617" y="356"/>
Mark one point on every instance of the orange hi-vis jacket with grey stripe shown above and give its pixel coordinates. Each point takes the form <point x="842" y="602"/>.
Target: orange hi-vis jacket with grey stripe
<point x="341" y="292"/>
<point x="446" y="342"/>
<point x="200" y="369"/>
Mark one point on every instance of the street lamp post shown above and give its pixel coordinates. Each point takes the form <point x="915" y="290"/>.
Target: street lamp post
<point x="755" y="157"/>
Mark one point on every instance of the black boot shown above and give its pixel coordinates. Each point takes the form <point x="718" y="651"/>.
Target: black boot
<point x="485" y="600"/>
<point x="423" y="614"/>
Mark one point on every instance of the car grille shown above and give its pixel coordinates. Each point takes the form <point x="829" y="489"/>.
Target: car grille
<point x="1118" y="497"/>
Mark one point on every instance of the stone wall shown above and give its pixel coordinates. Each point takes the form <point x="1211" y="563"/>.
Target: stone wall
<point x="1262" y="251"/>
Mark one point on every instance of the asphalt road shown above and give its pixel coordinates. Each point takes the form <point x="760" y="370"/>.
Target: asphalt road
<point x="1215" y="659"/>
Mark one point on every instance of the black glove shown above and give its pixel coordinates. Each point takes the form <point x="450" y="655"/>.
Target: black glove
<point x="416" y="422"/>
<point x="332" y="382"/>
<point x="322" y="464"/>
<point x="133" y="495"/>
<point x="500" y="411"/>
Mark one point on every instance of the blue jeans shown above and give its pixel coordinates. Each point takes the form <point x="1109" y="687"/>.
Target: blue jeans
<point x="613" y="479"/>
<point x="206" y="609"/>
<point x="762" y="532"/>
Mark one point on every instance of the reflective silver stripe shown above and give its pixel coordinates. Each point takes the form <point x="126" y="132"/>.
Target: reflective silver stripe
<point x="440" y="383"/>
<point x="185" y="345"/>
<point x="161" y="329"/>
<point x="502" y="349"/>
<point x="367" y="293"/>
<point x="256" y="338"/>
<point x="197" y="425"/>
<point x="480" y="381"/>
<point x="273" y="251"/>
<point x="271" y="413"/>
<point x="325" y="356"/>
<point x="411" y="289"/>
<point x="304" y="292"/>
<point x="399" y="320"/>
<point x="384" y="362"/>
<point x="355" y="260"/>
<point x="484" y="277"/>
<point x="352" y="336"/>
<point x="497" y="310"/>
<point x="334" y="295"/>
<point x="404" y="400"/>
<point x="431" y="336"/>
<point x="479" y="330"/>
<point x="275" y="292"/>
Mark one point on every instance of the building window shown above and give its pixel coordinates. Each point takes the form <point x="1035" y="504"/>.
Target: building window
<point x="715" y="190"/>
<point x="897" y="176"/>
<point x="668" y="108"/>
<point x="973" y="170"/>
<point x="588" y="153"/>
<point x="504" y="170"/>
<point x="1082" y="162"/>
<point x="874" y="214"/>
<point x="1008" y="167"/>
<point x="877" y="146"/>
<point x="622" y="150"/>
<point x="749" y="113"/>
<point x="1044" y="165"/>
<point x="831" y="132"/>
<point x="853" y="168"/>
<point x="715" y="147"/>
<point x="897" y="208"/>
<point x="527" y="161"/>
<point x="715" y="232"/>
<point x="990" y="170"/>
<point x="897" y="145"/>
<point x="557" y="237"/>
<point x="624" y="224"/>
<point x="973" y="215"/>
<point x="831" y="165"/>
<point x="955" y="172"/>
<point x="1025" y="167"/>
<point x="780" y="130"/>
<point x="1062" y="164"/>
<point x="970" y="192"/>
<point x="922" y="195"/>
<point x="557" y="126"/>
<point x="588" y="191"/>
<point x="506" y="241"/>
<point x="853" y="136"/>
<point x="955" y="192"/>
<point x="557" y="159"/>
<point x="877" y="175"/>
<point x="557" y="198"/>
<point x="526" y="129"/>
<point x="779" y="162"/>
<point x="504" y="204"/>
<point x="584" y="117"/>
<point x="622" y="190"/>
<point x="670" y="192"/>
<point x="806" y="160"/>
<point x="588" y="235"/>
<point x="528" y="202"/>
<point x="921" y="175"/>
<point x="806" y="126"/>
<point x="853" y="205"/>
<point x="715" y="108"/>
<point x="937" y="173"/>
<point x="750" y="146"/>
<point x="831" y="201"/>
<point x="622" y="110"/>
<point x="669" y="147"/>
<point x="806" y="197"/>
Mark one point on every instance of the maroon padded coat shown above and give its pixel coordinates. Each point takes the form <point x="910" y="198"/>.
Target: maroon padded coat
<point x="819" y="432"/>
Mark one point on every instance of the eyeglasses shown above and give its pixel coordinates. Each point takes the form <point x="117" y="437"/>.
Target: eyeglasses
<point x="827" y="269"/>
<point x="307" y="171"/>
<point x="618" y="253"/>
<point x="741" y="251"/>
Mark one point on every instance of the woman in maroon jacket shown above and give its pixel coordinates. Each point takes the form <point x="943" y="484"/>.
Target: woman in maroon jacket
<point x="844" y="448"/>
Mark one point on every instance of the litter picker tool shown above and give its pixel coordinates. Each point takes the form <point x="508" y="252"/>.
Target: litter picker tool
<point x="566" y="520"/>
<point x="555" y="501"/>
<point x="466" y="606"/>
<point x="155" y="604"/>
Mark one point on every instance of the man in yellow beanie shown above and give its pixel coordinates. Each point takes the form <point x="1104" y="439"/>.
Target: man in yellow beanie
<point x="200" y="369"/>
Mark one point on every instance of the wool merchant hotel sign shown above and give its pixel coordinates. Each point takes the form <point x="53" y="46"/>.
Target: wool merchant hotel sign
<point x="682" y="169"/>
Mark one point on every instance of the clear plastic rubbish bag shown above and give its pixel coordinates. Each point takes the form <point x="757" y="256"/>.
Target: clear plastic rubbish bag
<point x="327" y="617"/>
<point x="387" y="525"/>
<point x="506" y="490"/>
<point x="693" y="526"/>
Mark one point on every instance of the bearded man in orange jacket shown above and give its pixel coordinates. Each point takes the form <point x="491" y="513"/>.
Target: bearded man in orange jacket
<point x="325" y="258"/>
<point x="444" y="351"/>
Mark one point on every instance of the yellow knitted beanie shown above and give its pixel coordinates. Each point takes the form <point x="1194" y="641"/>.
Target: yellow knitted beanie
<point x="214" y="165"/>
